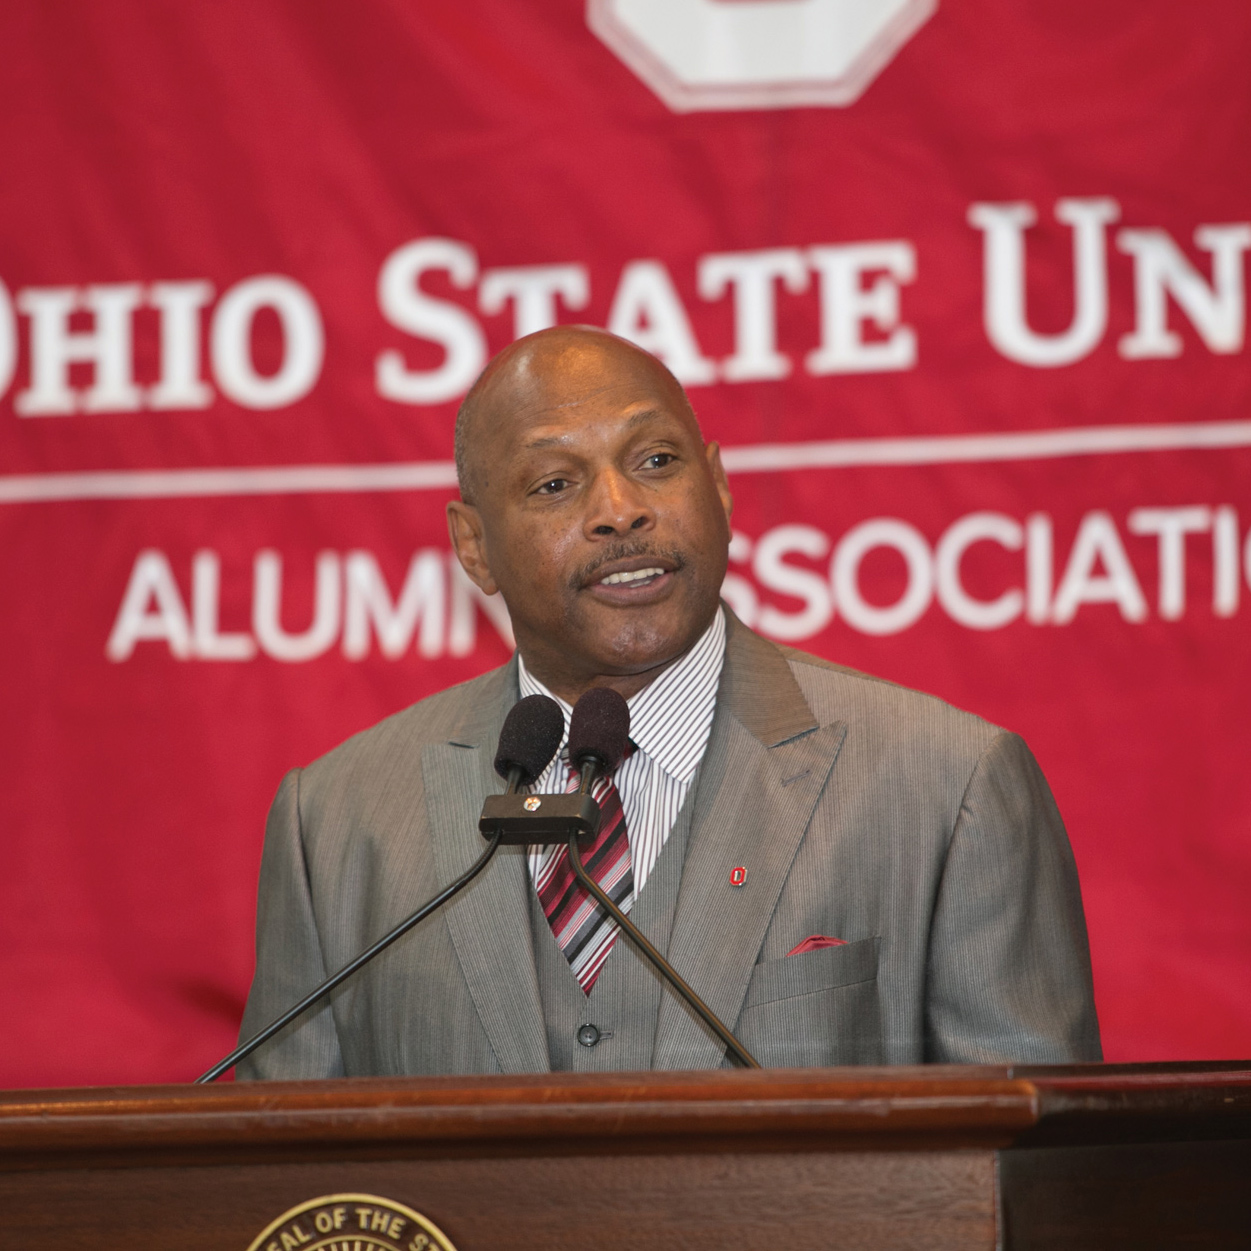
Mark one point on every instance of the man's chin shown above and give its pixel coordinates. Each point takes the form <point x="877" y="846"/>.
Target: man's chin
<point x="636" y="642"/>
<point x="596" y="638"/>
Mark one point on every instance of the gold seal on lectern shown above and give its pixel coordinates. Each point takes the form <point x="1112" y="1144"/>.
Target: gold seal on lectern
<point x="352" y="1223"/>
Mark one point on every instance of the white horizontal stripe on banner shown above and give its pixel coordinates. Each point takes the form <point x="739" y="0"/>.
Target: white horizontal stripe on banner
<point x="951" y="449"/>
<point x="279" y="480"/>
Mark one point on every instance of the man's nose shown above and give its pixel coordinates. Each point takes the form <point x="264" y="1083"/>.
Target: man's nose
<point x="617" y="506"/>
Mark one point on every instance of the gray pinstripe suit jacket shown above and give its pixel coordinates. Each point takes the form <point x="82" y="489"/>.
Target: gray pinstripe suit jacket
<point x="925" y="837"/>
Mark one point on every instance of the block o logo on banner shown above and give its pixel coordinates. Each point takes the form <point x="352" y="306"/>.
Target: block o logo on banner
<point x="756" y="54"/>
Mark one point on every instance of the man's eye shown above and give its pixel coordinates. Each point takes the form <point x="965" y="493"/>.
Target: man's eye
<point x="553" y="486"/>
<point x="659" y="460"/>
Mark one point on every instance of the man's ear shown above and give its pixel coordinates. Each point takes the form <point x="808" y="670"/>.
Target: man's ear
<point x="713" y="453"/>
<point x="464" y="528"/>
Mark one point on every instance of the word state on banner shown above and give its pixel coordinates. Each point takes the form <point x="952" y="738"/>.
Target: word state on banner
<point x="435" y="611"/>
<point x="858" y="286"/>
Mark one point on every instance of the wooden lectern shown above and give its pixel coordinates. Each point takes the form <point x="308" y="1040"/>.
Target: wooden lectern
<point x="1085" y="1157"/>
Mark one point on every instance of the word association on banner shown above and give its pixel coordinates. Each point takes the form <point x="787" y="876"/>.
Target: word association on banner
<point x="436" y="610"/>
<point x="858" y="285"/>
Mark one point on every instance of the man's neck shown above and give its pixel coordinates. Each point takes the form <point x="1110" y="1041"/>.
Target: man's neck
<point x="557" y="676"/>
<point x="571" y="687"/>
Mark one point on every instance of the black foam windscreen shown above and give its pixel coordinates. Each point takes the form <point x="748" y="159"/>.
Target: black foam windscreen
<point x="530" y="737"/>
<point x="599" y="727"/>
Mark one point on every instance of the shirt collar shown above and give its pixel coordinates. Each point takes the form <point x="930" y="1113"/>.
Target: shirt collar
<point x="670" y="718"/>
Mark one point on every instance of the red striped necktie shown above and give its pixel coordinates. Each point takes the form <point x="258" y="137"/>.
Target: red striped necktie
<point x="584" y="931"/>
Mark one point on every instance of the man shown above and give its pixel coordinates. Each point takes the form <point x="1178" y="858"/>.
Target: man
<point x="848" y="872"/>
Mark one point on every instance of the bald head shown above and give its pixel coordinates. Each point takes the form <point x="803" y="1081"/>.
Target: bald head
<point x="591" y="503"/>
<point x="545" y="372"/>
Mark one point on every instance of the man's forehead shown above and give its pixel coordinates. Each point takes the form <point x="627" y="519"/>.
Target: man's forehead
<point x="576" y="359"/>
<point x="578" y="398"/>
<point x="562" y="383"/>
<point x="582" y="372"/>
<point x="554" y="427"/>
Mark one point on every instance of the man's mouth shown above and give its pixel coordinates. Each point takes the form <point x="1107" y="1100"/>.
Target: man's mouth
<point x="635" y="576"/>
<point x="633" y="580"/>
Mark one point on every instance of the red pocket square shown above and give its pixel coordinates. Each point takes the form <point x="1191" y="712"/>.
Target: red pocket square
<point x="814" y="942"/>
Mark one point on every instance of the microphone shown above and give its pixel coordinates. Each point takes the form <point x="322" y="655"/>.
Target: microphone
<point x="599" y="733"/>
<point x="528" y="741"/>
<point x="520" y="820"/>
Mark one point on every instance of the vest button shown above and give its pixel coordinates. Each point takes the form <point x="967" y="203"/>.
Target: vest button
<point x="588" y="1035"/>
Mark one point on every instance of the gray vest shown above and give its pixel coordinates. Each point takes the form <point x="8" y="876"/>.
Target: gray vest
<point x="624" y="1004"/>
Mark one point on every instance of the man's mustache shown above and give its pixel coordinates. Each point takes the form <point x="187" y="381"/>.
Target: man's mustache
<point x="624" y="551"/>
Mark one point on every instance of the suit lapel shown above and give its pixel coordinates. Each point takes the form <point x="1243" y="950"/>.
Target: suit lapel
<point x="490" y="921"/>
<point x="766" y="764"/>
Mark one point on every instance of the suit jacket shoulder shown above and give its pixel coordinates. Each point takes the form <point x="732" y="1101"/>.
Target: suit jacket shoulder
<point x="928" y="744"/>
<point x="878" y="706"/>
<point x="470" y="712"/>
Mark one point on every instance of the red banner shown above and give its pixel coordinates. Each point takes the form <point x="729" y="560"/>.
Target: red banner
<point x="959" y="286"/>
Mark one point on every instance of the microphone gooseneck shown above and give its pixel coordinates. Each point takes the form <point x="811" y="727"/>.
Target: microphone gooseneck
<point x="528" y="741"/>
<point x="599" y="733"/>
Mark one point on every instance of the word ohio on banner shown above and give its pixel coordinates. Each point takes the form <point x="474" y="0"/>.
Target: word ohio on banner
<point x="861" y="325"/>
<point x="435" y="611"/>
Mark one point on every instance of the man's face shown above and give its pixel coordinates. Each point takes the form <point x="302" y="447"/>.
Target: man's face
<point x="599" y="515"/>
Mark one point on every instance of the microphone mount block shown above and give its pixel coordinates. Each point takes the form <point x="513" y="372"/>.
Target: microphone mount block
<point x="525" y="819"/>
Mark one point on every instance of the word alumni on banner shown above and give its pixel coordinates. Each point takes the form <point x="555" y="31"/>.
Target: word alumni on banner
<point x="435" y="610"/>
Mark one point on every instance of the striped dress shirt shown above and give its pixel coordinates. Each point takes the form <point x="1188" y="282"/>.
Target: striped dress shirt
<point x="670" y="721"/>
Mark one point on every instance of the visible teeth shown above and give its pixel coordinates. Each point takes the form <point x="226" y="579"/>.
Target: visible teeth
<point x="633" y="575"/>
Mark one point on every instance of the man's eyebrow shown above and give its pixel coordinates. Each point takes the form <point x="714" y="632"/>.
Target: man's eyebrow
<point x="556" y="440"/>
<point x="645" y="415"/>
